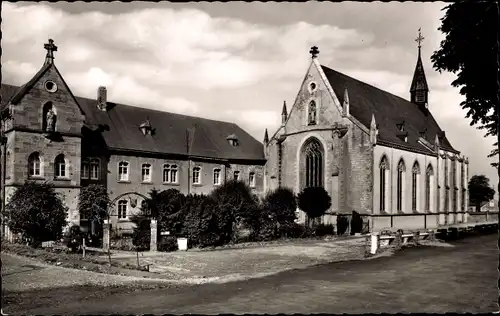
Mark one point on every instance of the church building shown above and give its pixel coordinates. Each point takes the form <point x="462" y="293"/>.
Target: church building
<point x="374" y="152"/>
<point x="56" y="137"/>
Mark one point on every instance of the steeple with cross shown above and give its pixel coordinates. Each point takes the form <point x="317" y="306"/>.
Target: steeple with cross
<point x="314" y="52"/>
<point x="51" y="48"/>
<point x="419" y="90"/>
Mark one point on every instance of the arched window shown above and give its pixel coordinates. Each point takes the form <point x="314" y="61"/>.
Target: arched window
<point x="196" y="175"/>
<point x="169" y="173"/>
<point x="60" y="166"/>
<point x="429" y="173"/>
<point x="123" y="171"/>
<point x="400" y="184"/>
<point x="384" y="172"/>
<point x="313" y="155"/>
<point x="217" y="179"/>
<point x="236" y="176"/>
<point x="311" y="113"/>
<point x="251" y="179"/>
<point x="85" y="169"/>
<point x="415" y="172"/>
<point x="34" y="165"/>
<point x="122" y="209"/>
<point x="146" y="172"/>
<point x="94" y="169"/>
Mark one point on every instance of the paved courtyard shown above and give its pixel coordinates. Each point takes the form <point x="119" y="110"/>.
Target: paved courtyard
<point x="462" y="278"/>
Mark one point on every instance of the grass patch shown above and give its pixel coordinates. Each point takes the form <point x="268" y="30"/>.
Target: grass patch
<point x="62" y="257"/>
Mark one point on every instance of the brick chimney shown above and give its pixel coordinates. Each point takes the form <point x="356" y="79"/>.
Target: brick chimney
<point x="102" y="98"/>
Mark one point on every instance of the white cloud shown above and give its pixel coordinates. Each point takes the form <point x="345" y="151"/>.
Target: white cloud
<point x="187" y="61"/>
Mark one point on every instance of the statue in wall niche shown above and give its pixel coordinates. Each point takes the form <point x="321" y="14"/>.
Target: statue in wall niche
<point x="312" y="112"/>
<point x="50" y="121"/>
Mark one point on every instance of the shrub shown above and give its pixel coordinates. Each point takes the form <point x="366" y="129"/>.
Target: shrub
<point x="74" y="237"/>
<point x="93" y="203"/>
<point x="342" y="224"/>
<point x="141" y="237"/>
<point x="165" y="207"/>
<point x="237" y="197"/>
<point x="297" y="231"/>
<point x="314" y="201"/>
<point x="323" y="230"/>
<point x="37" y="212"/>
<point x="356" y="223"/>
<point x="167" y="244"/>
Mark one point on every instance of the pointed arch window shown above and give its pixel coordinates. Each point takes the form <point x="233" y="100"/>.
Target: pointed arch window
<point x="384" y="172"/>
<point x="34" y="165"/>
<point x="415" y="172"/>
<point x="400" y="184"/>
<point x="311" y="113"/>
<point x="60" y="166"/>
<point x="429" y="173"/>
<point x="313" y="154"/>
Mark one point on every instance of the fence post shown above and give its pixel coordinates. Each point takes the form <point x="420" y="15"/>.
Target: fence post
<point x="83" y="246"/>
<point x="105" y="235"/>
<point x="416" y="235"/>
<point x="374" y="243"/>
<point x="432" y="236"/>
<point x="399" y="239"/>
<point x="153" y="246"/>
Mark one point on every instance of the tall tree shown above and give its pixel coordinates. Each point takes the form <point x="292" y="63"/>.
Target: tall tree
<point x="480" y="190"/>
<point x="470" y="51"/>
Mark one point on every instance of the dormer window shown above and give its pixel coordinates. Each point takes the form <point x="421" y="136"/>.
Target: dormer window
<point x="146" y="128"/>
<point x="233" y="140"/>
<point x="401" y="126"/>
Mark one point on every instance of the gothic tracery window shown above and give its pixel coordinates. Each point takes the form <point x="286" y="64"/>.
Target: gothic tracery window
<point x="384" y="169"/>
<point x="414" y="185"/>
<point x="400" y="184"/>
<point x="311" y="119"/>
<point x="428" y="184"/>
<point x="313" y="154"/>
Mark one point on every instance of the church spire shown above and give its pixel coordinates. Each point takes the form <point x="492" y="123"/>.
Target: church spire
<point x="266" y="137"/>
<point x="419" y="90"/>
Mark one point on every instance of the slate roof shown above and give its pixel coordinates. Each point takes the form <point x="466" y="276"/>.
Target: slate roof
<point x="389" y="110"/>
<point x="207" y="137"/>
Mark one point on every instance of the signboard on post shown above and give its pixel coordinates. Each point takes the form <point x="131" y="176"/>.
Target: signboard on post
<point x="165" y="233"/>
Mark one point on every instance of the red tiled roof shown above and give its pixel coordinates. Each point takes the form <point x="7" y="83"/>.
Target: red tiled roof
<point x="208" y="138"/>
<point x="389" y="110"/>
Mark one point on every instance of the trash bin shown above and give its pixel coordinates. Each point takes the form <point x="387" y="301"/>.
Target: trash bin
<point x="182" y="244"/>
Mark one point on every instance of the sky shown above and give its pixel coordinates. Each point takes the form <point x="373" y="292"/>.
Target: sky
<point x="235" y="61"/>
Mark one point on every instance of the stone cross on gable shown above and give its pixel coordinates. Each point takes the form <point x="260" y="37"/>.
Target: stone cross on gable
<point x="51" y="48"/>
<point x="419" y="39"/>
<point x="314" y="51"/>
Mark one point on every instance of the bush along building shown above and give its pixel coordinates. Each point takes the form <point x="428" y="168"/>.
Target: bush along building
<point x="56" y="137"/>
<point x="375" y="153"/>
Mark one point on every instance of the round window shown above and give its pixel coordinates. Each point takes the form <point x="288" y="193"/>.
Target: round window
<point x="312" y="86"/>
<point x="51" y="86"/>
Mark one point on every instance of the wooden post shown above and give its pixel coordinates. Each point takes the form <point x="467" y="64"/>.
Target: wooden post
<point x="83" y="246"/>
<point x="137" y="253"/>
<point x="416" y="235"/>
<point x="398" y="239"/>
<point x="374" y="243"/>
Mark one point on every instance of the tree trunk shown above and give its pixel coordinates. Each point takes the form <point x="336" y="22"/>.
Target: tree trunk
<point x="478" y="206"/>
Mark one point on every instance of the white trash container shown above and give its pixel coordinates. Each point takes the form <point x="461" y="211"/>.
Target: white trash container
<point x="182" y="244"/>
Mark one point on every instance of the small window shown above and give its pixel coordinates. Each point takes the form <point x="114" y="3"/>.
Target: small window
<point x="50" y="86"/>
<point x="60" y="167"/>
<point x="122" y="209"/>
<point x="196" y="175"/>
<point x="34" y="165"/>
<point x="85" y="169"/>
<point x="123" y="171"/>
<point x="169" y="173"/>
<point x="251" y="179"/>
<point x="217" y="176"/>
<point x="94" y="169"/>
<point x="236" y="176"/>
<point x="312" y="87"/>
<point x="146" y="172"/>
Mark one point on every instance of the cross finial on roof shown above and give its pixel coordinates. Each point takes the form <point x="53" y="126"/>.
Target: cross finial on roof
<point x="314" y="51"/>
<point x="420" y="38"/>
<point x="51" y="48"/>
